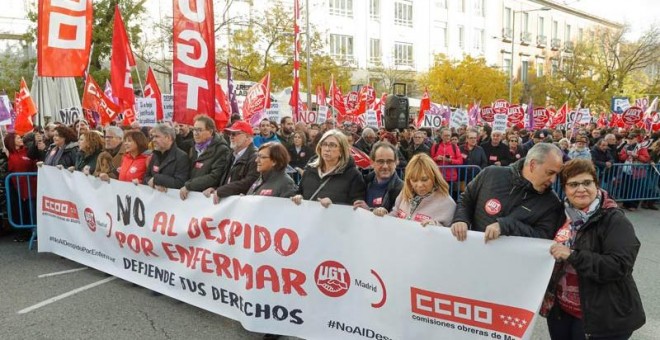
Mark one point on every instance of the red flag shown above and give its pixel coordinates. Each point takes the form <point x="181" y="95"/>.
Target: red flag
<point x="151" y="90"/>
<point x="222" y="110"/>
<point x="337" y="98"/>
<point x="257" y="98"/>
<point x="366" y="99"/>
<point x="25" y="100"/>
<point x="23" y="123"/>
<point x="95" y="99"/>
<point x="321" y="99"/>
<point x="616" y="120"/>
<point x="121" y="61"/>
<point x="194" y="60"/>
<point x="559" y="118"/>
<point x="64" y="36"/>
<point x="424" y="105"/>
<point x="294" y="101"/>
<point x="602" y="121"/>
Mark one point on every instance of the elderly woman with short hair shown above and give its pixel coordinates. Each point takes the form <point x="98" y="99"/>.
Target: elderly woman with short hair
<point x="592" y="293"/>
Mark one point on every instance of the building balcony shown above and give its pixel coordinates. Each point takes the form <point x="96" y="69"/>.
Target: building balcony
<point x="525" y="38"/>
<point x="507" y="34"/>
<point x="541" y="41"/>
<point x="344" y="59"/>
<point x="404" y="62"/>
<point x="569" y="47"/>
<point x="375" y="61"/>
<point x="555" y="44"/>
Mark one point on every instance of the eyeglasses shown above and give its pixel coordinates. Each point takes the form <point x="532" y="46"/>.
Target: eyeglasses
<point x="329" y="145"/>
<point x="586" y="183"/>
<point x="513" y="141"/>
<point x="198" y="130"/>
<point x="382" y="162"/>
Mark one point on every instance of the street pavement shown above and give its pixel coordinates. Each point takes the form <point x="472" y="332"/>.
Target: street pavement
<point x="116" y="309"/>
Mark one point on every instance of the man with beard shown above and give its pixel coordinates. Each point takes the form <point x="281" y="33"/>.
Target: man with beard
<point x="383" y="184"/>
<point x="243" y="170"/>
<point x="265" y="134"/>
<point x="286" y="132"/>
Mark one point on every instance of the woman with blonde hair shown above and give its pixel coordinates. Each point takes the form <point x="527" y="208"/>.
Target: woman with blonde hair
<point x="425" y="195"/>
<point x="332" y="176"/>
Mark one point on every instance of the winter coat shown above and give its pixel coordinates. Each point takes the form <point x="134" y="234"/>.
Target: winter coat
<point x="208" y="168"/>
<point x="345" y="186"/>
<point x="82" y="161"/>
<point x="476" y="156"/>
<point x="451" y="150"/>
<point x="422" y="148"/>
<point x="363" y="146"/>
<point x="503" y="195"/>
<point x="601" y="157"/>
<point x="170" y="169"/>
<point x="259" y="140"/>
<point x="18" y="161"/>
<point x="393" y="190"/>
<point x="240" y="176"/>
<point x="117" y="160"/>
<point x="603" y="256"/>
<point x="499" y="153"/>
<point x="299" y="159"/>
<point x="436" y="207"/>
<point x="133" y="167"/>
<point x="514" y="156"/>
<point x="66" y="159"/>
<point x="274" y="184"/>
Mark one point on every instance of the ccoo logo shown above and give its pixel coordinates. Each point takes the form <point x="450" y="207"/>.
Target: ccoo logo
<point x="332" y="279"/>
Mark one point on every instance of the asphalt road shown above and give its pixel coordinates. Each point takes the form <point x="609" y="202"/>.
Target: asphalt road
<point x="116" y="309"/>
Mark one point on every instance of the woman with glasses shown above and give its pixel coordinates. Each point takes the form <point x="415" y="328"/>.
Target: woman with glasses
<point x="272" y="159"/>
<point x="425" y="195"/>
<point x="332" y="176"/>
<point x="516" y="151"/>
<point x="592" y="293"/>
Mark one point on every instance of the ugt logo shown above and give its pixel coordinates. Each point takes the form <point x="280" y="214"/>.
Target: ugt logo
<point x="332" y="278"/>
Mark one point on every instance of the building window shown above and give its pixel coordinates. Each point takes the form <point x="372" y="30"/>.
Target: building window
<point x="461" y="6"/>
<point x="507" y="67"/>
<point x="441" y="3"/>
<point x="342" y="8"/>
<point x="541" y="28"/>
<point x="374" y="9"/>
<point x="442" y="33"/>
<point x="403" y="54"/>
<point x="478" y="40"/>
<point x="341" y="47"/>
<point x="555" y="29"/>
<point x="507" y="18"/>
<point x="461" y="37"/>
<point x="403" y="13"/>
<point x="525" y="22"/>
<point x="479" y="8"/>
<point x="567" y="33"/>
<point x="524" y="68"/>
<point x="555" y="66"/>
<point x="374" y="51"/>
<point x="580" y="34"/>
<point x="539" y="67"/>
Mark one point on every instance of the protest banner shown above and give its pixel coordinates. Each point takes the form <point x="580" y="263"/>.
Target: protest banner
<point x="304" y="271"/>
<point x="273" y="113"/>
<point x="516" y="116"/>
<point x="371" y="119"/>
<point x="308" y="116"/>
<point x="632" y="115"/>
<point x="5" y="110"/>
<point x="322" y="114"/>
<point x="68" y="116"/>
<point x="501" y="106"/>
<point x="584" y="115"/>
<point x="499" y="123"/>
<point x="146" y="111"/>
<point x="168" y="107"/>
<point x="620" y="104"/>
<point x="432" y="121"/>
<point x="487" y="114"/>
<point x="458" y="118"/>
<point x="541" y="117"/>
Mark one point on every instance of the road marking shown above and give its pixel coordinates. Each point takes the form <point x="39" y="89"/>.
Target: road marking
<point x="65" y="295"/>
<point x="62" y="272"/>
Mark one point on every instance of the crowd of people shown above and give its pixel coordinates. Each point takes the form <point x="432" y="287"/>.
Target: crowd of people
<point x="412" y="176"/>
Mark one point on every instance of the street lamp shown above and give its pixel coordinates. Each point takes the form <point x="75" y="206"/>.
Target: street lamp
<point x="513" y="37"/>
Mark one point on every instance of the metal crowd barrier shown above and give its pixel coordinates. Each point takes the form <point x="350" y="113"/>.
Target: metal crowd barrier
<point x="626" y="182"/>
<point x="25" y="205"/>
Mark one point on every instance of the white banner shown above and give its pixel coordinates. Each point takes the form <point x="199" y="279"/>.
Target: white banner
<point x="304" y="271"/>
<point x="273" y="113"/>
<point x="499" y="124"/>
<point x="322" y="115"/>
<point x="371" y="119"/>
<point x="146" y="111"/>
<point x="458" y="118"/>
<point x="168" y="107"/>
<point x="432" y="120"/>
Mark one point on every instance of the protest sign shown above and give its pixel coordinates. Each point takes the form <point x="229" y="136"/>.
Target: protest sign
<point x="146" y="111"/>
<point x="370" y="119"/>
<point x="458" y="117"/>
<point x="499" y="123"/>
<point x="305" y="271"/>
<point x="68" y="116"/>
<point x="273" y="113"/>
<point x="322" y="114"/>
<point x="432" y="121"/>
<point x="5" y="110"/>
<point x="168" y="107"/>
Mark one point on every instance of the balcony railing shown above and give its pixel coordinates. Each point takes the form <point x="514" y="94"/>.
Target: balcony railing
<point x="525" y="38"/>
<point x="569" y="46"/>
<point x="541" y="41"/>
<point x="555" y="44"/>
<point x="507" y="34"/>
<point x="344" y="59"/>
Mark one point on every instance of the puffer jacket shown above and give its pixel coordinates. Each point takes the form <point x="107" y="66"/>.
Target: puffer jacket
<point x="503" y="195"/>
<point x="274" y="184"/>
<point x="240" y="176"/>
<point x="603" y="256"/>
<point x="208" y="168"/>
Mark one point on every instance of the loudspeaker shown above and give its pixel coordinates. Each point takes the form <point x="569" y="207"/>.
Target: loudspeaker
<point x="397" y="112"/>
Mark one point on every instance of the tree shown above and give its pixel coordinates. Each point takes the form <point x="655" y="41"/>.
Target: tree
<point x="265" y="44"/>
<point x="461" y="82"/>
<point x="15" y="62"/>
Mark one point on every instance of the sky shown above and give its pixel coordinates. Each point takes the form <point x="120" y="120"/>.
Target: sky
<point x="639" y="14"/>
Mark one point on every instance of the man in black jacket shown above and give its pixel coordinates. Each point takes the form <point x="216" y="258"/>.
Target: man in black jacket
<point x="383" y="184"/>
<point x="496" y="151"/>
<point x="242" y="173"/>
<point x="209" y="157"/>
<point x="514" y="201"/>
<point x="169" y="167"/>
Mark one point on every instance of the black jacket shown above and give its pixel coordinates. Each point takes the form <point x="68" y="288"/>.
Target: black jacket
<point x="501" y="194"/>
<point x="412" y="151"/>
<point x="394" y="187"/>
<point x="207" y="169"/>
<point x="601" y="157"/>
<point x="476" y="156"/>
<point x="68" y="157"/>
<point x="499" y="153"/>
<point x="170" y="169"/>
<point x="239" y="177"/>
<point x="185" y="143"/>
<point x="82" y="161"/>
<point x="274" y="184"/>
<point x="363" y="146"/>
<point x="603" y="256"/>
<point x="344" y="187"/>
<point x="300" y="159"/>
